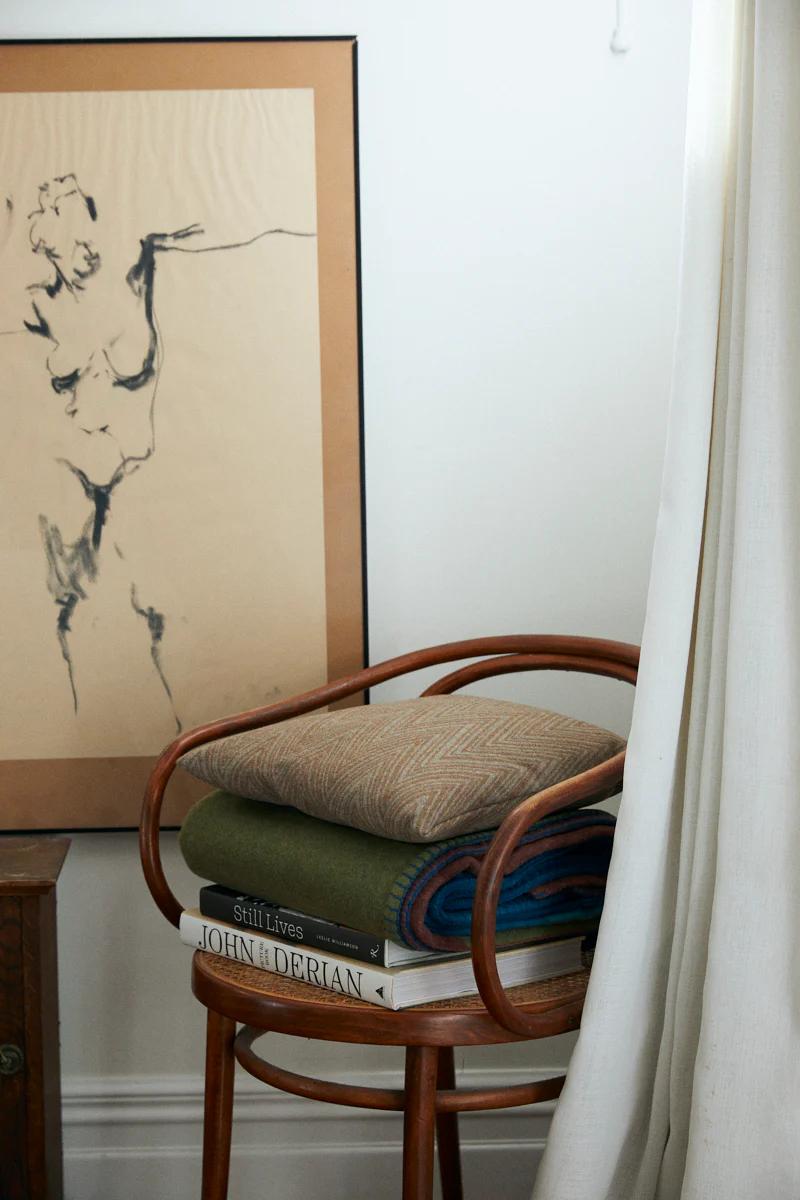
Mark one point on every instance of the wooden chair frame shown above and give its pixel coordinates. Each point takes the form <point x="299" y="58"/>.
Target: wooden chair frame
<point x="429" y="1100"/>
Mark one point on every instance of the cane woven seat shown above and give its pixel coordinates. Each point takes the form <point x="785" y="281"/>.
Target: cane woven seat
<point x="549" y="993"/>
<point x="301" y="1006"/>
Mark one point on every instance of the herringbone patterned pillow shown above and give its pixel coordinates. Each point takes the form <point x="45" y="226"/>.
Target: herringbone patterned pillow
<point x="413" y="770"/>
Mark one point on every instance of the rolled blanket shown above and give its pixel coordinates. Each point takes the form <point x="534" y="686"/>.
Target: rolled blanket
<point x="416" y="893"/>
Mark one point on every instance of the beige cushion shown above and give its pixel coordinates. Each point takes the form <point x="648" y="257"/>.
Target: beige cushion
<point x="414" y="770"/>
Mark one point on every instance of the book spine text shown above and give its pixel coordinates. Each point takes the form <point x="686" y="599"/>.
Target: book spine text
<point x="271" y="920"/>
<point x="298" y="962"/>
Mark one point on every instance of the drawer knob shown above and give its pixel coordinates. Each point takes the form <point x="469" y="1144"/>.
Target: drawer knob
<point x="12" y="1060"/>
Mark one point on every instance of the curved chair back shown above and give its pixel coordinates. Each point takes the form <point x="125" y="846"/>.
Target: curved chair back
<point x="498" y="656"/>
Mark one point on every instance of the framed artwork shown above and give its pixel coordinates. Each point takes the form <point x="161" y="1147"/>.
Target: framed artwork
<point x="181" y="484"/>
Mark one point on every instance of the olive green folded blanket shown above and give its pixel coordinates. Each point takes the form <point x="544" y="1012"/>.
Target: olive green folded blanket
<point x="416" y="893"/>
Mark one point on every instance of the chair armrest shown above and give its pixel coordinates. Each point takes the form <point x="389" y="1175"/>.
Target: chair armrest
<point x="597" y="783"/>
<point x="282" y="710"/>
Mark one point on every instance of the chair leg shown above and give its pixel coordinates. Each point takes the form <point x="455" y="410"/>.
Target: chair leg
<point x="447" y="1131"/>
<point x="218" y="1111"/>
<point x="419" y="1122"/>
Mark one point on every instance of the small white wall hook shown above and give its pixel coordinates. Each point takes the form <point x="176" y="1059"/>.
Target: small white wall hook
<point x="620" y="38"/>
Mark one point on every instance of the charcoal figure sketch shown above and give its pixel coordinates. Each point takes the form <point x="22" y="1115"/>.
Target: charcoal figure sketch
<point x="95" y="310"/>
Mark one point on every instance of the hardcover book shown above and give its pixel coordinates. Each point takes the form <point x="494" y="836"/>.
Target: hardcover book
<point x="390" y="987"/>
<point x="288" y="925"/>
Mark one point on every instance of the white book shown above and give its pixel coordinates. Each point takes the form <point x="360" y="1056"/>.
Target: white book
<point x="391" y="987"/>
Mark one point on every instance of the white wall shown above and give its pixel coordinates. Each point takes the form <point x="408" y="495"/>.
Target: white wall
<point x="520" y="191"/>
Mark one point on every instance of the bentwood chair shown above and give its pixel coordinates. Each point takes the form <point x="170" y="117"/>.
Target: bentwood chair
<point x="430" y="1101"/>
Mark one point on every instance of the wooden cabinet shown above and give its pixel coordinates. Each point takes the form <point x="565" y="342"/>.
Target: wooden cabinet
<point x="30" y="1087"/>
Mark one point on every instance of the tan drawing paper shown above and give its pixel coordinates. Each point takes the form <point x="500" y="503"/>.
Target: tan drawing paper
<point x="164" y="571"/>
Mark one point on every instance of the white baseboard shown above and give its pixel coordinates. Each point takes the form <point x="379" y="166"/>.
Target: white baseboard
<point x="139" y="1139"/>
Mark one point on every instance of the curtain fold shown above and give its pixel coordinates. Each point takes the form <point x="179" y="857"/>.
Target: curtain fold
<point x="686" y="1079"/>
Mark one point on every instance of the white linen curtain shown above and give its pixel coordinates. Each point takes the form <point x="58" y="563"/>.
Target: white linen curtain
<point x="686" y="1079"/>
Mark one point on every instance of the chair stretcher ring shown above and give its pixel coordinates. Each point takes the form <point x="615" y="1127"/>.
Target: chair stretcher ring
<point x="388" y="1099"/>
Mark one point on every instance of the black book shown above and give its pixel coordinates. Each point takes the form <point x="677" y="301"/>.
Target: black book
<point x="288" y="925"/>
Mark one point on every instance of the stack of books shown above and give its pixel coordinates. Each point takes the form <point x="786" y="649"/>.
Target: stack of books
<point x="356" y="964"/>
